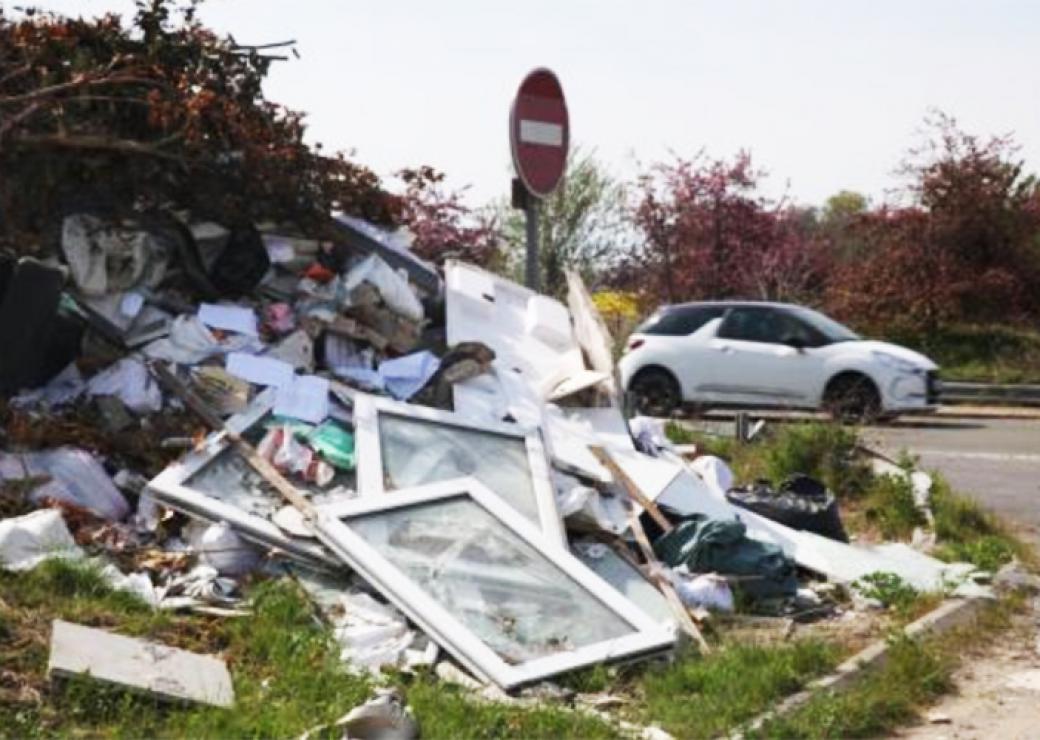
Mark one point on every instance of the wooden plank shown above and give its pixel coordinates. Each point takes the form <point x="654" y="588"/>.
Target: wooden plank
<point x="682" y="614"/>
<point x="265" y="469"/>
<point x="631" y="488"/>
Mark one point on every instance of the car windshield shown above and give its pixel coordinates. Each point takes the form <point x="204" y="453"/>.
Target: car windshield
<point x="828" y="327"/>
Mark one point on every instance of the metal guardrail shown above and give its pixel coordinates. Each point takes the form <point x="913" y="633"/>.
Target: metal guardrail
<point x="990" y="393"/>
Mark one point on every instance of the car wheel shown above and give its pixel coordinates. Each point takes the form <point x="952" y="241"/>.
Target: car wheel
<point x="655" y="392"/>
<point x="853" y="397"/>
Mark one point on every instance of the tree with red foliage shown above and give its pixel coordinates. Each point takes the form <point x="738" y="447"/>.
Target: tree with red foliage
<point x="710" y="234"/>
<point x="442" y="225"/>
<point x="967" y="248"/>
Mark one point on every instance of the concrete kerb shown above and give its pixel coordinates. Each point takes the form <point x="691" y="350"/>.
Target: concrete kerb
<point x="948" y="616"/>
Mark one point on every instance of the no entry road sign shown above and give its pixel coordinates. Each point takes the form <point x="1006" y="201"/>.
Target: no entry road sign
<point x="539" y="132"/>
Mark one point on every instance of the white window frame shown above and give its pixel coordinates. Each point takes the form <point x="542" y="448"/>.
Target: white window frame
<point x="439" y="623"/>
<point x="170" y="488"/>
<point x="368" y="450"/>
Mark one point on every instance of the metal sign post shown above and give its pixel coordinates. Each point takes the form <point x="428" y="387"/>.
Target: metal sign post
<point x="531" y="271"/>
<point x="539" y="136"/>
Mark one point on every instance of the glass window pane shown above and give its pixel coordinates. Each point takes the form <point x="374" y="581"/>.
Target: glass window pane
<point x="624" y="577"/>
<point x="416" y="452"/>
<point x="500" y="587"/>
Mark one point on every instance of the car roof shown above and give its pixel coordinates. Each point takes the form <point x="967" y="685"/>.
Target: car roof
<point x="727" y="304"/>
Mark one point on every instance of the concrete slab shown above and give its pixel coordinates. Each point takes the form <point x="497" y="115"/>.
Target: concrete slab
<point x="164" y="672"/>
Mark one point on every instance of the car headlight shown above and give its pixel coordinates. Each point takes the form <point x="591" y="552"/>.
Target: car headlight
<point x="896" y="363"/>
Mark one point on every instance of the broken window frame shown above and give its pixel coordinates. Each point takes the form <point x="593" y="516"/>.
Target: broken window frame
<point x="333" y="527"/>
<point x="170" y="488"/>
<point x="368" y="449"/>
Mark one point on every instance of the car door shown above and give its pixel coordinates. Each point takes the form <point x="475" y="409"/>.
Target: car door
<point x="763" y="355"/>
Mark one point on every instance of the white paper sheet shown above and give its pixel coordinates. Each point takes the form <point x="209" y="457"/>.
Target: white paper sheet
<point x="229" y="318"/>
<point x="305" y="398"/>
<point x="131" y="304"/>
<point x="260" y="370"/>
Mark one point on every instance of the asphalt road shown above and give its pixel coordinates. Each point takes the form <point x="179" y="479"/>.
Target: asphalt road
<point x="996" y="461"/>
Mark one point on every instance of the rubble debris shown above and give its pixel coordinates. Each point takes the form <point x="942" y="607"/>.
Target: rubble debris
<point x="221" y="390"/>
<point x="164" y="672"/>
<point x="800" y="502"/>
<point x="130" y="382"/>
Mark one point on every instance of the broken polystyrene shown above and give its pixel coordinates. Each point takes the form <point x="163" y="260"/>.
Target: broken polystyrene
<point x="159" y="670"/>
<point x="26" y="541"/>
<point x="393" y="288"/>
<point x="75" y="477"/>
<point x="129" y="381"/>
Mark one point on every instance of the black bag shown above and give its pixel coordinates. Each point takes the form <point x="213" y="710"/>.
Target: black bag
<point x="242" y="263"/>
<point x="800" y="503"/>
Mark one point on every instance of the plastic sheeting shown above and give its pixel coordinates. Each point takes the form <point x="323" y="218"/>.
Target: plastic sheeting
<point x="26" y="541"/>
<point x="75" y="477"/>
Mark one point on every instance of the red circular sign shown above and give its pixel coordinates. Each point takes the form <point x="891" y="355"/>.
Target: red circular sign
<point x="539" y="132"/>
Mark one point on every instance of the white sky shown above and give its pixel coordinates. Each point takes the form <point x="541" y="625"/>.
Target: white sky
<point x="826" y="94"/>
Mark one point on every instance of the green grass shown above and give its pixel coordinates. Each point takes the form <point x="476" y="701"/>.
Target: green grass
<point x="994" y="354"/>
<point x="824" y="451"/>
<point x="704" y="697"/>
<point x="966" y="531"/>
<point x="915" y="675"/>
<point x="888" y="505"/>
<point x="286" y="671"/>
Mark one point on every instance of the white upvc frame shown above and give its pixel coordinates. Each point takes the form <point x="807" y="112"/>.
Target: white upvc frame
<point x="170" y="489"/>
<point x="438" y="622"/>
<point x="369" y="453"/>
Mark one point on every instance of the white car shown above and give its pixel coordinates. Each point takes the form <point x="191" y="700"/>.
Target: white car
<point x="749" y="354"/>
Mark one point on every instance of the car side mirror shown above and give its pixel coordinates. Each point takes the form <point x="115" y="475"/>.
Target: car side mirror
<point x="795" y="342"/>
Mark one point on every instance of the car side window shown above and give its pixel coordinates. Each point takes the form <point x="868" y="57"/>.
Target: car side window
<point x="767" y="325"/>
<point x="751" y="324"/>
<point x="679" y="322"/>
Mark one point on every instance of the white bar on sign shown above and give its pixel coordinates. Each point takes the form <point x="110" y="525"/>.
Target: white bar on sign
<point x="540" y="132"/>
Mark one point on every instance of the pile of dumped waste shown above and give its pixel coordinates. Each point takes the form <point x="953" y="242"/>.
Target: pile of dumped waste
<point x="441" y="458"/>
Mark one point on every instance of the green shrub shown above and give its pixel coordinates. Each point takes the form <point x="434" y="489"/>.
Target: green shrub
<point x="889" y="505"/>
<point x="823" y="451"/>
<point x="889" y="589"/>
